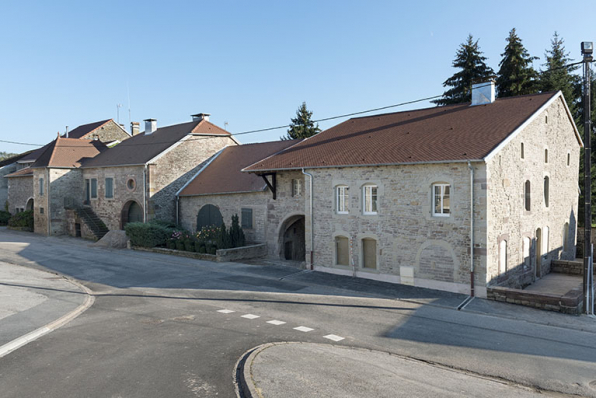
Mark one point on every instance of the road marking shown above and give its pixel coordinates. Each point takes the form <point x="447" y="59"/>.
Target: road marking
<point x="250" y="316"/>
<point x="303" y="329"/>
<point x="225" y="311"/>
<point x="333" y="337"/>
<point x="276" y="322"/>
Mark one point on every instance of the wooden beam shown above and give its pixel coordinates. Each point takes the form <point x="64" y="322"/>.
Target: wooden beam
<point x="271" y="184"/>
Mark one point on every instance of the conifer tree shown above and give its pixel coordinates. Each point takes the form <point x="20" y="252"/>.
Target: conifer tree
<point x="472" y="69"/>
<point x="516" y="75"/>
<point x="302" y="125"/>
<point x="556" y="77"/>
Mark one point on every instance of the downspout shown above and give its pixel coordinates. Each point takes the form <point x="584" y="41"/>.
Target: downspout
<point x="312" y="220"/>
<point x="471" y="229"/>
<point x="145" y="194"/>
<point x="177" y="209"/>
<point x="49" y="214"/>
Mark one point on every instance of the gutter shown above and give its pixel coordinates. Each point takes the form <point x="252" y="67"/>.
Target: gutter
<point x="471" y="229"/>
<point x="312" y="221"/>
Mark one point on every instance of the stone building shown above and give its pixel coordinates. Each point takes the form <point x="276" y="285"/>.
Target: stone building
<point x="9" y="166"/>
<point x="19" y="183"/>
<point x="137" y="180"/>
<point x="220" y="190"/>
<point x="454" y="198"/>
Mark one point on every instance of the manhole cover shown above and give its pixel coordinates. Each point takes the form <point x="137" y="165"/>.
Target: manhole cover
<point x="593" y="384"/>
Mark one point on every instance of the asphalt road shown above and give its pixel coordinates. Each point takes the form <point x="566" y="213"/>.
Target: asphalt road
<point x="163" y="326"/>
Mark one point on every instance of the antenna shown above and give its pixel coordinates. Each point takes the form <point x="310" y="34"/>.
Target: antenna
<point x="118" y="106"/>
<point x="128" y="93"/>
<point x="226" y="126"/>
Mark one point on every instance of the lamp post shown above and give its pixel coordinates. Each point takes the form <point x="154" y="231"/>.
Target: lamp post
<point x="587" y="49"/>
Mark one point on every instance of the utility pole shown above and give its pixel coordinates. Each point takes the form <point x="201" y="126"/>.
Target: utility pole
<point x="587" y="49"/>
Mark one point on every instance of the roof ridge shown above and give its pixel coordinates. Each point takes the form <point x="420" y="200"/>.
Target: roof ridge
<point x="104" y="122"/>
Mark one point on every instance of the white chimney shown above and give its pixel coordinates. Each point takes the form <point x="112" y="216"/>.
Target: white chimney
<point x="200" y="116"/>
<point x="483" y="93"/>
<point x="150" y="126"/>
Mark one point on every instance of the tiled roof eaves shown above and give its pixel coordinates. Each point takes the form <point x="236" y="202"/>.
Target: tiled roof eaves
<point x="273" y="154"/>
<point x="225" y="193"/>
<point x="362" y="165"/>
<point x="112" y="165"/>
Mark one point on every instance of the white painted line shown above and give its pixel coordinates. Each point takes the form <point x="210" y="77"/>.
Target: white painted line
<point x="276" y="322"/>
<point x="225" y="311"/>
<point x="303" y="329"/>
<point x="250" y="316"/>
<point x="21" y="341"/>
<point x="333" y="337"/>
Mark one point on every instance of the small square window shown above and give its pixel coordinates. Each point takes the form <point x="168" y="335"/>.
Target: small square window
<point x="247" y="218"/>
<point x="41" y="210"/>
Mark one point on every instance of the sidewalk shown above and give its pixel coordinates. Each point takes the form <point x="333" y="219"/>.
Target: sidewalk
<point x="30" y="300"/>
<point x="280" y="370"/>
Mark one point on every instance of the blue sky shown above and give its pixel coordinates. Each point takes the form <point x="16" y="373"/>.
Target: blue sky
<point x="248" y="63"/>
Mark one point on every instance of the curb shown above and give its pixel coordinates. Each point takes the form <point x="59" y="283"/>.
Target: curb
<point x="42" y="331"/>
<point x="245" y="385"/>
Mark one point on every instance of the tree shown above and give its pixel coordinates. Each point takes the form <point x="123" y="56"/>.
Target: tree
<point x="6" y="155"/>
<point x="557" y="77"/>
<point x="302" y="125"/>
<point x="516" y="75"/>
<point x="473" y="69"/>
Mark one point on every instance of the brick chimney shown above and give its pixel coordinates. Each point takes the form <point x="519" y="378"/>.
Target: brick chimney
<point x="134" y="128"/>
<point x="483" y="93"/>
<point x="150" y="126"/>
<point x="200" y="116"/>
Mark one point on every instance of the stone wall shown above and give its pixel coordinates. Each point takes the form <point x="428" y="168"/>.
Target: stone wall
<point x="509" y="221"/>
<point x="109" y="210"/>
<point x="63" y="183"/>
<point x="20" y="190"/>
<point x="175" y="167"/>
<point x="413" y="246"/>
<point x="569" y="303"/>
<point x="9" y="168"/>
<point x="270" y="216"/>
<point x="72" y="219"/>
<point x="40" y="209"/>
<point x="108" y="132"/>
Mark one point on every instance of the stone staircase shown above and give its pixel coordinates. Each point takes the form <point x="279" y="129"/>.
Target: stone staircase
<point x="92" y="221"/>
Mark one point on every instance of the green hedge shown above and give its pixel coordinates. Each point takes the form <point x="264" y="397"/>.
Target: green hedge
<point x="147" y="235"/>
<point x="23" y="219"/>
<point x="4" y="217"/>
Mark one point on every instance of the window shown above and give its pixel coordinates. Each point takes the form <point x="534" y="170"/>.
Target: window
<point x="94" y="188"/>
<point x="247" y="218"/>
<point x="342" y="250"/>
<point x="441" y="200"/>
<point x="296" y="187"/>
<point x="546" y="193"/>
<point x="565" y="236"/>
<point x="41" y="186"/>
<point x="546" y="156"/>
<point x="545" y="242"/>
<point x="109" y="187"/>
<point x="369" y="193"/>
<point x="369" y="253"/>
<point x="131" y="184"/>
<point x="342" y="199"/>
<point x="526" y="251"/>
<point x="522" y="150"/>
<point x="527" y="195"/>
<point x="568" y="159"/>
<point x="41" y="210"/>
<point x="502" y="257"/>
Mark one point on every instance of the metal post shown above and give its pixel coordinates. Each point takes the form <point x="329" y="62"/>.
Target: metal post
<point x="587" y="53"/>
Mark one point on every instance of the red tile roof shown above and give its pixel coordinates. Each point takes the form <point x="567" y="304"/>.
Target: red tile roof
<point x="141" y="148"/>
<point x="26" y="172"/>
<point x="439" y="134"/>
<point x="68" y="152"/>
<point x="223" y="174"/>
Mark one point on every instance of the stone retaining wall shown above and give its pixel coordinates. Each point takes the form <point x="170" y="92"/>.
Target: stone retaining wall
<point x="569" y="303"/>
<point x="568" y="267"/>
<point x="222" y="256"/>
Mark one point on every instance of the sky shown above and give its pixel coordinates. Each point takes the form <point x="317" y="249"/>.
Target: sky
<point x="250" y="64"/>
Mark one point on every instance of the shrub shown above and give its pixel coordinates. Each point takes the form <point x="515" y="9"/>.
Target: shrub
<point x="23" y="219"/>
<point x="189" y="245"/>
<point x="207" y="234"/>
<point x="4" y="217"/>
<point x="147" y="235"/>
<point x="224" y="240"/>
<point x="237" y="238"/>
<point x="167" y="224"/>
<point x="200" y="247"/>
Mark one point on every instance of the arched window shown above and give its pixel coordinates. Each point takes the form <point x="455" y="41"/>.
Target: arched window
<point x="369" y="253"/>
<point x="522" y="150"/>
<point x="342" y="250"/>
<point x="526" y="251"/>
<point x="209" y="215"/>
<point x="369" y="202"/>
<point x="342" y="199"/>
<point x="545" y="240"/>
<point x="568" y="159"/>
<point x="502" y="257"/>
<point x="527" y="195"/>
<point x="546" y="156"/>
<point x="565" y="236"/>
<point x="546" y="189"/>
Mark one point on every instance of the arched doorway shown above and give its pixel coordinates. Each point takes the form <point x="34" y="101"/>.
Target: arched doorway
<point x="29" y="205"/>
<point x="131" y="212"/>
<point x="209" y="215"/>
<point x="292" y="239"/>
<point x="538" y="252"/>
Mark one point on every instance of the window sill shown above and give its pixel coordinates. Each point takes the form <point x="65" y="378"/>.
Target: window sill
<point x="441" y="215"/>
<point x="370" y="214"/>
<point x="342" y="212"/>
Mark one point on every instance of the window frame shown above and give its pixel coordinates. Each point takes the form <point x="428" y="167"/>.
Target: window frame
<point x="342" y="197"/>
<point x="442" y="185"/>
<point x="106" y="188"/>
<point x="91" y="182"/>
<point x="337" y="252"/>
<point x="41" y="186"/>
<point x="374" y="199"/>
<point x="243" y="224"/>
